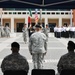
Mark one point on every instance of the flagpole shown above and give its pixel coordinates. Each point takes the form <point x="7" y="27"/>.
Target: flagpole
<point x="1" y="15"/>
<point x="40" y="16"/>
<point x="71" y="18"/>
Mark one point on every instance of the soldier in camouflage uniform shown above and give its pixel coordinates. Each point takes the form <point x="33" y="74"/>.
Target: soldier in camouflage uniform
<point x="2" y="31"/>
<point x="67" y="61"/>
<point x="46" y="31"/>
<point x="25" y="33"/>
<point x="37" y="43"/>
<point x="7" y="31"/>
<point x="14" y="61"/>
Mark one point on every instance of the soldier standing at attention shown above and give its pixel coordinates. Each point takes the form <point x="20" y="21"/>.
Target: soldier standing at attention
<point x="67" y="61"/>
<point x="25" y="33"/>
<point x="7" y="31"/>
<point x="0" y="31"/>
<point x="46" y="31"/>
<point x="14" y="61"/>
<point x="37" y="43"/>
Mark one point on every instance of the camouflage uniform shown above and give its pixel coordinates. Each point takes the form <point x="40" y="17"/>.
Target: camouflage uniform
<point x="14" y="61"/>
<point x="67" y="61"/>
<point x="37" y="43"/>
<point x="7" y="31"/>
<point x="2" y="31"/>
<point x="46" y="31"/>
<point x="25" y="34"/>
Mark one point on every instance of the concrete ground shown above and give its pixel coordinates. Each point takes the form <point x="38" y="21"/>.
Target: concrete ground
<point x="56" y="48"/>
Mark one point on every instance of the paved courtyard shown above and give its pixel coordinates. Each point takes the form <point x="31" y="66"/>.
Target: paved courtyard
<point x="56" y="48"/>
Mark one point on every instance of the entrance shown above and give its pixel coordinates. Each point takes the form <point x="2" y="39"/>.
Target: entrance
<point x="51" y="26"/>
<point x="19" y="27"/>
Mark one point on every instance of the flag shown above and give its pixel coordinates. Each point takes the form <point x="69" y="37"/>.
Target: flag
<point x="36" y="16"/>
<point x="30" y="15"/>
<point x="30" y="12"/>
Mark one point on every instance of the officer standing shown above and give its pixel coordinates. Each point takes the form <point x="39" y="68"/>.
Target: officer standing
<point x="71" y="31"/>
<point x="7" y="31"/>
<point x="59" y="32"/>
<point x="55" y="31"/>
<point x="46" y="31"/>
<point x="2" y="31"/>
<point x="25" y="33"/>
<point x="37" y="43"/>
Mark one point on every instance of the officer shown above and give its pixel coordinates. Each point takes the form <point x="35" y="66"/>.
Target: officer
<point x="62" y="31"/>
<point x="55" y="31"/>
<point x="59" y="32"/>
<point x="37" y="43"/>
<point x="14" y="61"/>
<point x="7" y="31"/>
<point x="46" y="31"/>
<point x="74" y="32"/>
<point x="2" y="31"/>
<point x="71" y="31"/>
<point x="25" y="33"/>
<point x="67" y="31"/>
<point x="67" y="61"/>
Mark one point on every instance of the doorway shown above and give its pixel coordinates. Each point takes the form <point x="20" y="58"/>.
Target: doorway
<point x="51" y="26"/>
<point x="19" y="27"/>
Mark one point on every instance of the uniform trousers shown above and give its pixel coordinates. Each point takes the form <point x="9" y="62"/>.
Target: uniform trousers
<point x="38" y="60"/>
<point x="0" y="33"/>
<point x="25" y="37"/>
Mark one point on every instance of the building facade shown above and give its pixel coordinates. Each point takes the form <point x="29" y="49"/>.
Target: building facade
<point x="16" y="18"/>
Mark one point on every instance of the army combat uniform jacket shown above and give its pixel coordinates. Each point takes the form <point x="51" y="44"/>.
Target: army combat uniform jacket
<point x="14" y="62"/>
<point x="67" y="61"/>
<point x="38" y="47"/>
<point x="38" y="43"/>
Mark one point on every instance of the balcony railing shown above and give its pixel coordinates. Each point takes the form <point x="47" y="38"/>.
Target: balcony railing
<point x="33" y="12"/>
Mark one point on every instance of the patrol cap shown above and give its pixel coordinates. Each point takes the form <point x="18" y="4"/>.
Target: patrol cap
<point x="38" y="26"/>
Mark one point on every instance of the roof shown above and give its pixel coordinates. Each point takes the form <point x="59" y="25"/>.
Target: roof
<point x="49" y="4"/>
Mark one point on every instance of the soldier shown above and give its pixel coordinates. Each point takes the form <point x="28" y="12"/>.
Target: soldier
<point x="7" y="31"/>
<point x="25" y="33"/>
<point x="55" y="31"/>
<point x="67" y="61"/>
<point x="67" y="32"/>
<point x="59" y="32"/>
<point x="46" y="31"/>
<point x="2" y="31"/>
<point x="14" y="61"/>
<point x="37" y="43"/>
<point x="64" y="31"/>
<point x="72" y="30"/>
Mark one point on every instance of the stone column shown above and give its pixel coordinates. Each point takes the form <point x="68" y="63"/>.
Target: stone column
<point x="1" y="16"/>
<point x="26" y="20"/>
<point x="74" y="17"/>
<point x="12" y="25"/>
<point x="71" y="19"/>
<point x="60" y="22"/>
<point x="12" y="34"/>
<point x="46" y="21"/>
